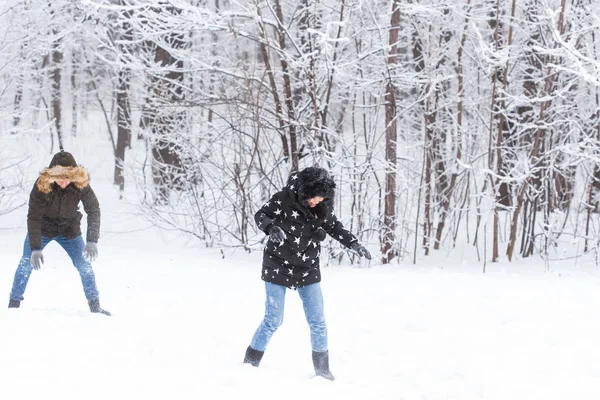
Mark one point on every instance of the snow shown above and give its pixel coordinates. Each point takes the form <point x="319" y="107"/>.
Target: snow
<point x="183" y="317"/>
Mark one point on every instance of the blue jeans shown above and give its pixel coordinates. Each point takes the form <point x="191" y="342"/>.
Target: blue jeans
<point x="74" y="248"/>
<point x="312" y="300"/>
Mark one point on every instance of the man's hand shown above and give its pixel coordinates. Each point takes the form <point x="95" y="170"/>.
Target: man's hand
<point x="37" y="259"/>
<point x="91" y="251"/>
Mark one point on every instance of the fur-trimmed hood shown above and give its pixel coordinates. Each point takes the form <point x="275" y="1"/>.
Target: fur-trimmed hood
<point x="312" y="182"/>
<point x="77" y="175"/>
<point x="309" y="183"/>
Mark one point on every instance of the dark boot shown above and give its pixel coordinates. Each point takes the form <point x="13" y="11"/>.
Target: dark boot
<point x="14" y="303"/>
<point x="321" y="363"/>
<point x="95" y="307"/>
<point x="253" y="357"/>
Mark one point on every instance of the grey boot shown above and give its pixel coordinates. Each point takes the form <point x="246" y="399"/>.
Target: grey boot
<point x="253" y="357"/>
<point x="321" y="363"/>
<point x="14" y="303"/>
<point x="95" y="307"/>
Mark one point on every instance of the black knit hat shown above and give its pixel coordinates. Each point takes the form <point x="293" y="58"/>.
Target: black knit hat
<point x="315" y="182"/>
<point x="64" y="159"/>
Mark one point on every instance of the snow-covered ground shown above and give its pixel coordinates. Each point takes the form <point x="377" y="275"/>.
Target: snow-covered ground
<point x="183" y="317"/>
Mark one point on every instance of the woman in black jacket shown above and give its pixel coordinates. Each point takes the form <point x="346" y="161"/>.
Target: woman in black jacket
<point x="297" y="219"/>
<point x="54" y="215"/>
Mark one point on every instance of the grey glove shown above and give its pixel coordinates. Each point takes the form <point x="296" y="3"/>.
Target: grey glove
<point x="91" y="251"/>
<point x="360" y="250"/>
<point x="320" y="234"/>
<point x="276" y="234"/>
<point x="37" y="259"/>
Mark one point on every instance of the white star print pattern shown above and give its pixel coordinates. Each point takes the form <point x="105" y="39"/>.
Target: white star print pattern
<point x="295" y="262"/>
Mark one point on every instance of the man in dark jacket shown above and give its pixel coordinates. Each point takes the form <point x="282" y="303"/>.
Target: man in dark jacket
<point x="297" y="219"/>
<point x="54" y="215"/>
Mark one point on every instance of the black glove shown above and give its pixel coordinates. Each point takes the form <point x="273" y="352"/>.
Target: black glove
<point x="37" y="259"/>
<point x="320" y="234"/>
<point x="91" y="251"/>
<point x="360" y="250"/>
<point x="276" y="234"/>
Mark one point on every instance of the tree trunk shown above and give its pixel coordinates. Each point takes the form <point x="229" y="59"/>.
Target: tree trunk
<point x="164" y="115"/>
<point x="447" y="194"/>
<point x="75" y="92"/>
<point x="287" y="87"/>
<point x="57" y="57"/>
<point x="264" y="50"/>
<point x="549" y="86"/>
<point x="123" y="127"/>
<point x="500" y="76"/>
<point x="594" y="186"/>
<point x="125" y="33"/>
<point x="389" y="220"/>
<point x="18" y="96"/>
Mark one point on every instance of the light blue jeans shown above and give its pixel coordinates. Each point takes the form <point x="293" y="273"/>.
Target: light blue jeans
<point x="74" y="248"/>
<point x="312" y="300"/>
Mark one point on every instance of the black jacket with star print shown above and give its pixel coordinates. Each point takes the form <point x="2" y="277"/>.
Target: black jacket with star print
<point x="295" y="262"/>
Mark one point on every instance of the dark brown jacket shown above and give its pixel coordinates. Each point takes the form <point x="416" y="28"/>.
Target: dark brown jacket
<point x="54" y="211"/>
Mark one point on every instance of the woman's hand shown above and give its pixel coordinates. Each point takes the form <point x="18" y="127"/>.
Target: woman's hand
<point x="361" y="250"/>
<point x="276" y="234"/>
